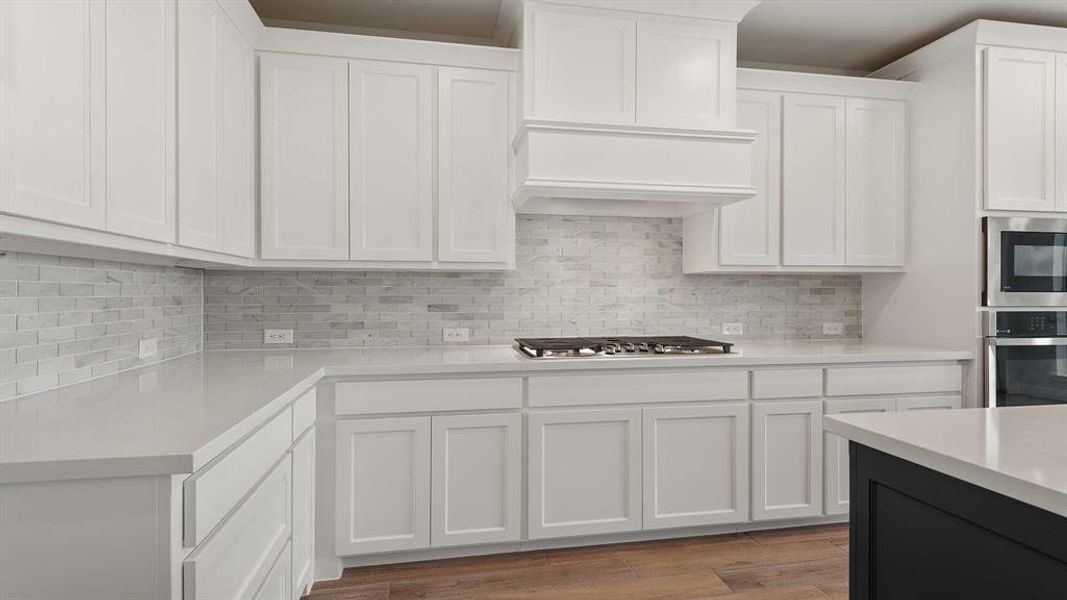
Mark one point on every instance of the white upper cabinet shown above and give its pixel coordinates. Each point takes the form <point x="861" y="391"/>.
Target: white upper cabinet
<point x="876" y="181"/>
<point x="581" y="65"/>
<point x="52" y="111"/>
<point x="1020" y="129"/>
<point x="236" y="166"/>
<point x="304" y="157"/>
<point x="750" y="230"/>
<point x="686" y="73"/>
<point x="813" y="171"/>
<point x="140" y="105"/>
<point x="475" y="218"/>
<point x="391" y="107"/>
<point x="1061" y="132"/>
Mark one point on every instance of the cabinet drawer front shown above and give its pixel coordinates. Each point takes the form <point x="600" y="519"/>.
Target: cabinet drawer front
<point x="217" y="488"/>
<point x="677" y="386"/>
<point x="930" y="402"/>
<point x="304" y="413"/>
<point x="236" y="560"/>
<point x="787" y="383"/>
<point x="428" y="395"/>
<point x="848" y="381"/>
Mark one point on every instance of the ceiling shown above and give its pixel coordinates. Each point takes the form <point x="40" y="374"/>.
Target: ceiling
<point x="829" y="35"/>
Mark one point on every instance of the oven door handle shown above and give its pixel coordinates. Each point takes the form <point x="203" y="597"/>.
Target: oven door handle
<point x="1049" y="341"/>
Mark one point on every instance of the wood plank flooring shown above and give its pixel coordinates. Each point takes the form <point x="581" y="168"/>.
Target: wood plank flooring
<point x="787" y="564"/>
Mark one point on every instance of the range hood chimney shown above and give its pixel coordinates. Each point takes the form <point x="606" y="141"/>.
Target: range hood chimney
<point x="628" y="108"/>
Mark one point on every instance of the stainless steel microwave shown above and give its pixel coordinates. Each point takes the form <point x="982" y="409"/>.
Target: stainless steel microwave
<point x="1026" y="262"/>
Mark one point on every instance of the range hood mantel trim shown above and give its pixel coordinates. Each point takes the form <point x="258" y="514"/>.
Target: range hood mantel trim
<point x="743" y="135"/>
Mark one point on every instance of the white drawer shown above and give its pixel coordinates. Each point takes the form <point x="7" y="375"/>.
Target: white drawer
<point x="237" y="559"/>
<point x="638" y="388"/>
<point x="929" y="402"/>
<point x="304" y="413"/>
<point x="213" y="491"/>
<point x="786" y="383"/>
<point x="278" y="584"/>
<point x="427" y="395"/>
<point x="896" y="379"/>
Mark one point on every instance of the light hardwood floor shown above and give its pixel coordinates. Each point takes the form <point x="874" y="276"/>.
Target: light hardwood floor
<point x="801" y="564"/>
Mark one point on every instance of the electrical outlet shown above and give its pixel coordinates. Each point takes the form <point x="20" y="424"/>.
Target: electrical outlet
<point x="733" y="328"/>
<point x="833" y="329"/>
<point x="147" y="348"/>
<point x="277" y="336"/>
<point x="460" y="334"/>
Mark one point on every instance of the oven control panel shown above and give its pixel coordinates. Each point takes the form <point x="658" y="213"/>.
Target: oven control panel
<point x="1031" y="324"/>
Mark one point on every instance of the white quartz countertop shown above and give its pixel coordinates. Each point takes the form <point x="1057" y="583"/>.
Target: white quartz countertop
<point x="175" y="416"/>
<point x="1020" y="452"/>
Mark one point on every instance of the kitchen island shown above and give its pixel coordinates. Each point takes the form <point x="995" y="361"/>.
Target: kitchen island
<point x="957" y="504"/>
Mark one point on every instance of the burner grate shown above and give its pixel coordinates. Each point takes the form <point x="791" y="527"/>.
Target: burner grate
<point x="619" y="345"/>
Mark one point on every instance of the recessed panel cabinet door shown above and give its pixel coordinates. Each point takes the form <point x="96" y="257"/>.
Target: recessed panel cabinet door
<point x="237" y="143"/>
<point x="813" y="187"/>
<point x="304" y="157"/>
<point x="1020" y="129"/>
<point x="876" y="181"/>
<point x="750" y="230"/>
<point x="52" y="110"/>
<point x="686" y="74"/>
<point x="582" y="65"/>
<point x="695" y="465"/>
<point x="477" y="479"/>
<point x="836" y="450"/>
<point x="303" y="540"/>
<point x="585" y="472"/>
<point x="140" y="78"/>
<point x="391" y="145"/>
<point x="787" y="464"/>
<point x="475" y="215"/>
<point x="383" y="485"/>
<point x="1061" y="132"/>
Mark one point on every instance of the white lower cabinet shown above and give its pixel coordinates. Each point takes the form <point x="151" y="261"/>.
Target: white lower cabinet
<point x="695" y="465"/>
<point x="477" y="467"/>
<point x="383" y="485"/>
<point x="786" y="459"/>
<point x="279" y="582"/>
<point x="303" y="541"/>
<point x="929" y="402"/>
<point x="584" y="472"/>
<point x="836" y="470"/>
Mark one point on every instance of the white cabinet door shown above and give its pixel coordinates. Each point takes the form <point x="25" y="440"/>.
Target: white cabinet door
<point x="303" y="540"/>
<point x="391" y="161"/>
<point x="199" y="25"/>
<point x="477" y="479"/>
<point x="695" y="465"/>
<point x="52" y="110"/>
<point x="304" y="157"/>
<point x="813" y="172"/>
<point x="1020" y="129"/>
<point x="278" y="585"/>
<point x="383" y="485"/>
<point x="686" y="73"/>
<point x="140" y="101"/>
<point x="835" y="455"/>
<point x="876" y="181"/>
<point x="236" y="169"/>
<point x="584" y="472"/>
<point x="750" y="230"/>
<point x="951" y="401"/>
<point x="581" y="65"/>
<point x="786" y="459"/>
<point x="1061" y="132"/>
<point x="475" y="215"/>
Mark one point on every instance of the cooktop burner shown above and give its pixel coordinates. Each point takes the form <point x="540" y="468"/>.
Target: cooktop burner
<point x="576" y="347"/>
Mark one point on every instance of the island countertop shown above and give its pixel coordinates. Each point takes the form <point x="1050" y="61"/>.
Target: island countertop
<point x="1019" y="452"/>
<point x="175" y="416"/>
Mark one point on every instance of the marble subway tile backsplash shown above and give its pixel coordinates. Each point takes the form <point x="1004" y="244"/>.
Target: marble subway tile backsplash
<point x="67" y="319"/>
<point x="574" y="276"/>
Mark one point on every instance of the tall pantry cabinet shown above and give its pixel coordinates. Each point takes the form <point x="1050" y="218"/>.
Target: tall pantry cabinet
<point x="377" y="162"/>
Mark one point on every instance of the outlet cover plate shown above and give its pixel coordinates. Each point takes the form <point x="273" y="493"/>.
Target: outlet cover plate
<point x="147" y="348"/>
<point x="833" y="329"/>
<point x="733" y="328"/>
<point x="277" y="336"/>
<point x="459" y="334"/>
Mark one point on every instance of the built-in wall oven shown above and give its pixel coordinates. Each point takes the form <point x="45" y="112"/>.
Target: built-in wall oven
<point x="1026" y="262"/>
<point x="1026" y="357"/>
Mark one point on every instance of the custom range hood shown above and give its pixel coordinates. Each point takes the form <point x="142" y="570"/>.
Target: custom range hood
<point x="628" y="108"/>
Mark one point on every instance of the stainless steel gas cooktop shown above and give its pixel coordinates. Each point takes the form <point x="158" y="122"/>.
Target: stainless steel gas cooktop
<point x="579" y="347"/>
